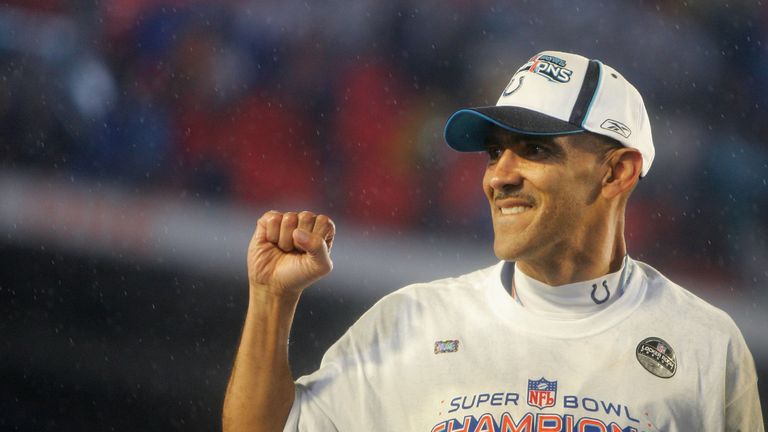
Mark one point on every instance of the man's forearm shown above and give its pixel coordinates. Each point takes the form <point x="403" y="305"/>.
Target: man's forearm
<point x="261" y="389"/>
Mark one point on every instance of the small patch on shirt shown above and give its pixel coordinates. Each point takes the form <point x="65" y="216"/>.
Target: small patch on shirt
<point x="446" y="346"/>
<point x="657" y="357"/>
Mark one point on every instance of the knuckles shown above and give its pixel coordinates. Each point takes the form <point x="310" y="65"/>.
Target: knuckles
<point x="271" y="216"/>
<point x="305" y="215"/>
<point x="277" y="219"/>
<point x="325" y="223"/>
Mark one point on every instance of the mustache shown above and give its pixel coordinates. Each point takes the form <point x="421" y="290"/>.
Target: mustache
<point x="518" y="196"/>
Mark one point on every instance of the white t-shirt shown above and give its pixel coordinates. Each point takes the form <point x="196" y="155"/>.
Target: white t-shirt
<point x="461" y="354"/>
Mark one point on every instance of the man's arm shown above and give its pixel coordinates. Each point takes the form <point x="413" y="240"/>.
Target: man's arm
<point x="288" y="252"/>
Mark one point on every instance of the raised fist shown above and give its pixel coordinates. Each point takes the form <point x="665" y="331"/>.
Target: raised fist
<point x="290" y="251"/>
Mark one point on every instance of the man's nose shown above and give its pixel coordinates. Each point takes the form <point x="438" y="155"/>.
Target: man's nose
<point x="506" y="171"/>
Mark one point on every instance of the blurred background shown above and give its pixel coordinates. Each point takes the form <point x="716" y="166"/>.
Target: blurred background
<point x="141" y="140"/>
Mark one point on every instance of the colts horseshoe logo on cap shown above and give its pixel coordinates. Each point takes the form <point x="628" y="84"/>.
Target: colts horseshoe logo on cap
<point x="509" y="89"/>
<point x="657" y="357"/>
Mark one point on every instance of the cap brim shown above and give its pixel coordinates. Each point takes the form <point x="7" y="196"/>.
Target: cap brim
<point x="467" y="129"/>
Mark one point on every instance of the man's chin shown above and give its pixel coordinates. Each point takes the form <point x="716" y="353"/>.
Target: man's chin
<point x="506" y="252"/>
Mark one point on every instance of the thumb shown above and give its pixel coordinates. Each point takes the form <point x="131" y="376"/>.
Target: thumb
<point x="311" y="244"/>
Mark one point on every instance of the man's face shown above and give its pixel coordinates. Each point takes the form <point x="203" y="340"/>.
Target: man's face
<point x="543" y="193"/>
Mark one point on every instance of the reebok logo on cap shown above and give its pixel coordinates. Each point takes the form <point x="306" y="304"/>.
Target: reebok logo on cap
<point x="618" y="127"/>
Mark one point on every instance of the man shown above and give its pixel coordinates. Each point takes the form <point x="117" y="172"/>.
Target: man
<point x="566" y="333"/>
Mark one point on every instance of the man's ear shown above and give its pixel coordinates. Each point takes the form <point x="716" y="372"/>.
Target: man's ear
<point x="624" y="168"/>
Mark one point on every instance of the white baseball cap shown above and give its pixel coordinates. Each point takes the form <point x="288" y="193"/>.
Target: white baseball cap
<point x="557" y="93"/>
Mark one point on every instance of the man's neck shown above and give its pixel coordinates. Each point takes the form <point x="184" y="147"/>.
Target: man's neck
<point x="570" y="265"/>
<point x="569" y="271"/>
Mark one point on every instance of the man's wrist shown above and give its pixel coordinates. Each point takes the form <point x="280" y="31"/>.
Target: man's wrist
<point x="271" y="295"/>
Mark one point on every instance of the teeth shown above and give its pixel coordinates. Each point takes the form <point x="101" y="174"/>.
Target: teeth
<point x="513" y="210"/>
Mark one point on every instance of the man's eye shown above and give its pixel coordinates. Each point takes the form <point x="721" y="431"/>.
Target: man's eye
<point x="494" y="153"/>
<point x="536" y="149"/>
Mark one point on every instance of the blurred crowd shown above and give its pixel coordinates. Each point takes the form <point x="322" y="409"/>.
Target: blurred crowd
<point x="339" y="106"/>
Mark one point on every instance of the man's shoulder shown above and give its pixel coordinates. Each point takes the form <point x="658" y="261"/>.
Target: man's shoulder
<point x="419" y="300"/>
<point x="448" y="287"/>
<point x="678" y="301"/>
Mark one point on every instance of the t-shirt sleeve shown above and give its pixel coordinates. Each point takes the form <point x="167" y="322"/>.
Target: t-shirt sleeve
<point x="321" y="395"/>
<point x="343" y="393"/>
<point x="742" y="410"/>
<point x="306" y="415"/>
<point x="743" y="413"/>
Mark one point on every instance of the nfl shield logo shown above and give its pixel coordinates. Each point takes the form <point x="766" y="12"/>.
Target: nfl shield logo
<point x="542" y="393"/>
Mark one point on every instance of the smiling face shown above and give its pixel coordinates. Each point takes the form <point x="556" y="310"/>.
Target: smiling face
<point x="544" y="194"/>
